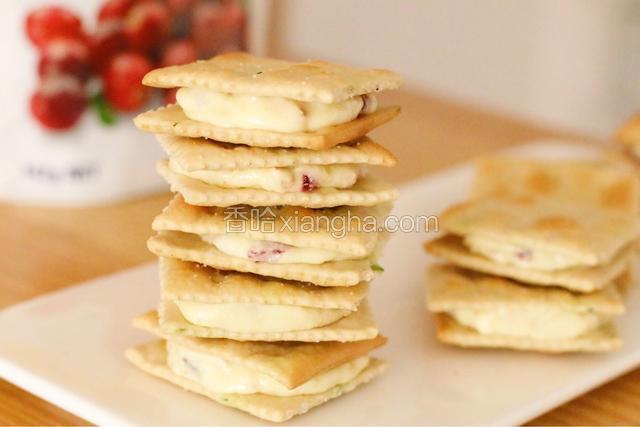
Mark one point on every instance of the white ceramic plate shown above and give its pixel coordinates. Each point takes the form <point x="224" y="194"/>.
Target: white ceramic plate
<point x="67" y="348"/>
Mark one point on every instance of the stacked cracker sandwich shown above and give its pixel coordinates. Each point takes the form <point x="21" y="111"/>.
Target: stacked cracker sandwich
<point x="265" y="262"/>
<point x="628" y="136"/>
<point x="537" y="258"/>
<point x="626" y="152"/>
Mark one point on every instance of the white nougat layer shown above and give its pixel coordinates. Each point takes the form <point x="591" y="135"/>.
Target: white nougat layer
<point x="541" y="322"/>
<point x="220" y="376"/>
<point x="270" y="252"/>
<point x="268" y="113"/>
<point x="281" y="180"/>
<point x="251" y="317"/>
<point x="521" y="256"/>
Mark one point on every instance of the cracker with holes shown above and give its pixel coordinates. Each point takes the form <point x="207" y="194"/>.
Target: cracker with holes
<point x="279" y="187"/>
<point x="479" y="310"/>
<point x="327" y="247"/>
<point x="227" y="167"/>
<point x="246" y="303"/>
<point x="164" y="361"/>
<point x="579" y="279"/>
<point x="595" y="183"/>
<point x="541" y="233"/>
<point x="243" y="99"/>
<point x="290" y="363"/>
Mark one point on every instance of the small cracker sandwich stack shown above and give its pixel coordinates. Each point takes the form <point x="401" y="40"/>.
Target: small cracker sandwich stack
<point x="267" y="248"/>
<point x="628" y="137"/>
<point x="626" y="151"/>
<point x="537" y="258"/>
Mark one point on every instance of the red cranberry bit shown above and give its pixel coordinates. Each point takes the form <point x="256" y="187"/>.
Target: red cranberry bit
<point x="59" y="102"/>
<point x="308" y="184"/>
<point x="269" y="253"/>
<point x="524" y="255"/>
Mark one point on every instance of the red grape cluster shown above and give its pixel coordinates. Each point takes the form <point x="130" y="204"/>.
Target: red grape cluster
<point x="131" y="37"/>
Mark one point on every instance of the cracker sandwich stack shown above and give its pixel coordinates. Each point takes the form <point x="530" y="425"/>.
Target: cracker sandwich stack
<point x="627" y="149"/>
<point x="265" y="253"/>
<point x="537" y="257"/>
<point x="628" y="136"/>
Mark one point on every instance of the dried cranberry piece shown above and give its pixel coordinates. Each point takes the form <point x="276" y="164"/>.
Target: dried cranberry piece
<point x="524" y="255"/>
<point x="267" y="254"/>
<point x="308" y="184"/>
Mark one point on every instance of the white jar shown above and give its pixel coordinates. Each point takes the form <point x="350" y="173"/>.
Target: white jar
<point x="89" y="163"/>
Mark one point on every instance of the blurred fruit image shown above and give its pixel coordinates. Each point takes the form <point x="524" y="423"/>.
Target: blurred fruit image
<point x="108" y="40"/>
<point x="114" y="9"/>
<point x="49" y="22"/>
<point x="59" y="102"/>
<point x="101" y="64"/>
<point x="122" y="81"/>
<point x="217" y="25"/>
<point x="179" y="52"/>
<point x="147" y="24"/>
<point x="180" y="6"/>
<point x="65" y="55"/>
<point x="170" y="96"/>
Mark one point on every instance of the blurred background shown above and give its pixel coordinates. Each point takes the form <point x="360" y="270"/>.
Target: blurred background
<point x="73" y="69"/>
<point x="573" y="64"/>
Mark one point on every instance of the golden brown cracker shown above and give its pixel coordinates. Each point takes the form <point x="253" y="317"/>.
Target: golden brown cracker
<point x="594" y="183"/>
<point x="189" y="281"/>
<point x="588" y="234"/>
<point x="367" y="191"/>
<point x="171" y="120"/>
<point x="341" y="229"/>
<point x="152" y="359"/>
<point x="629" y="133"/>
<point x="451" y="332"/>
<point x="190" y="247"/>
<point x="289" y="362"/>
<point x="243" y="73"/>
<point x="453" y="288"/>
<point x="199" y="154"/>
<point x="578" y="279"/>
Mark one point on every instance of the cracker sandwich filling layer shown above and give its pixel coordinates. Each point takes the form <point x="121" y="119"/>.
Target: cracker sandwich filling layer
<point x="539" y="258"/>
<point x="543" y="322"/>
<point x="218" y="375"/>
<point x="271" y="252"/>
<point x="305" y="178"/>
<point x="253" y="317"/>
<point x="267" y="112"/>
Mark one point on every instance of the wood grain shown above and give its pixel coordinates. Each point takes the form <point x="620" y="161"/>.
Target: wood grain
<point x="45" y="249"/>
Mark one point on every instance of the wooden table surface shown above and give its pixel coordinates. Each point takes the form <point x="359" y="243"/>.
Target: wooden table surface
<point x="44" y="249"/>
